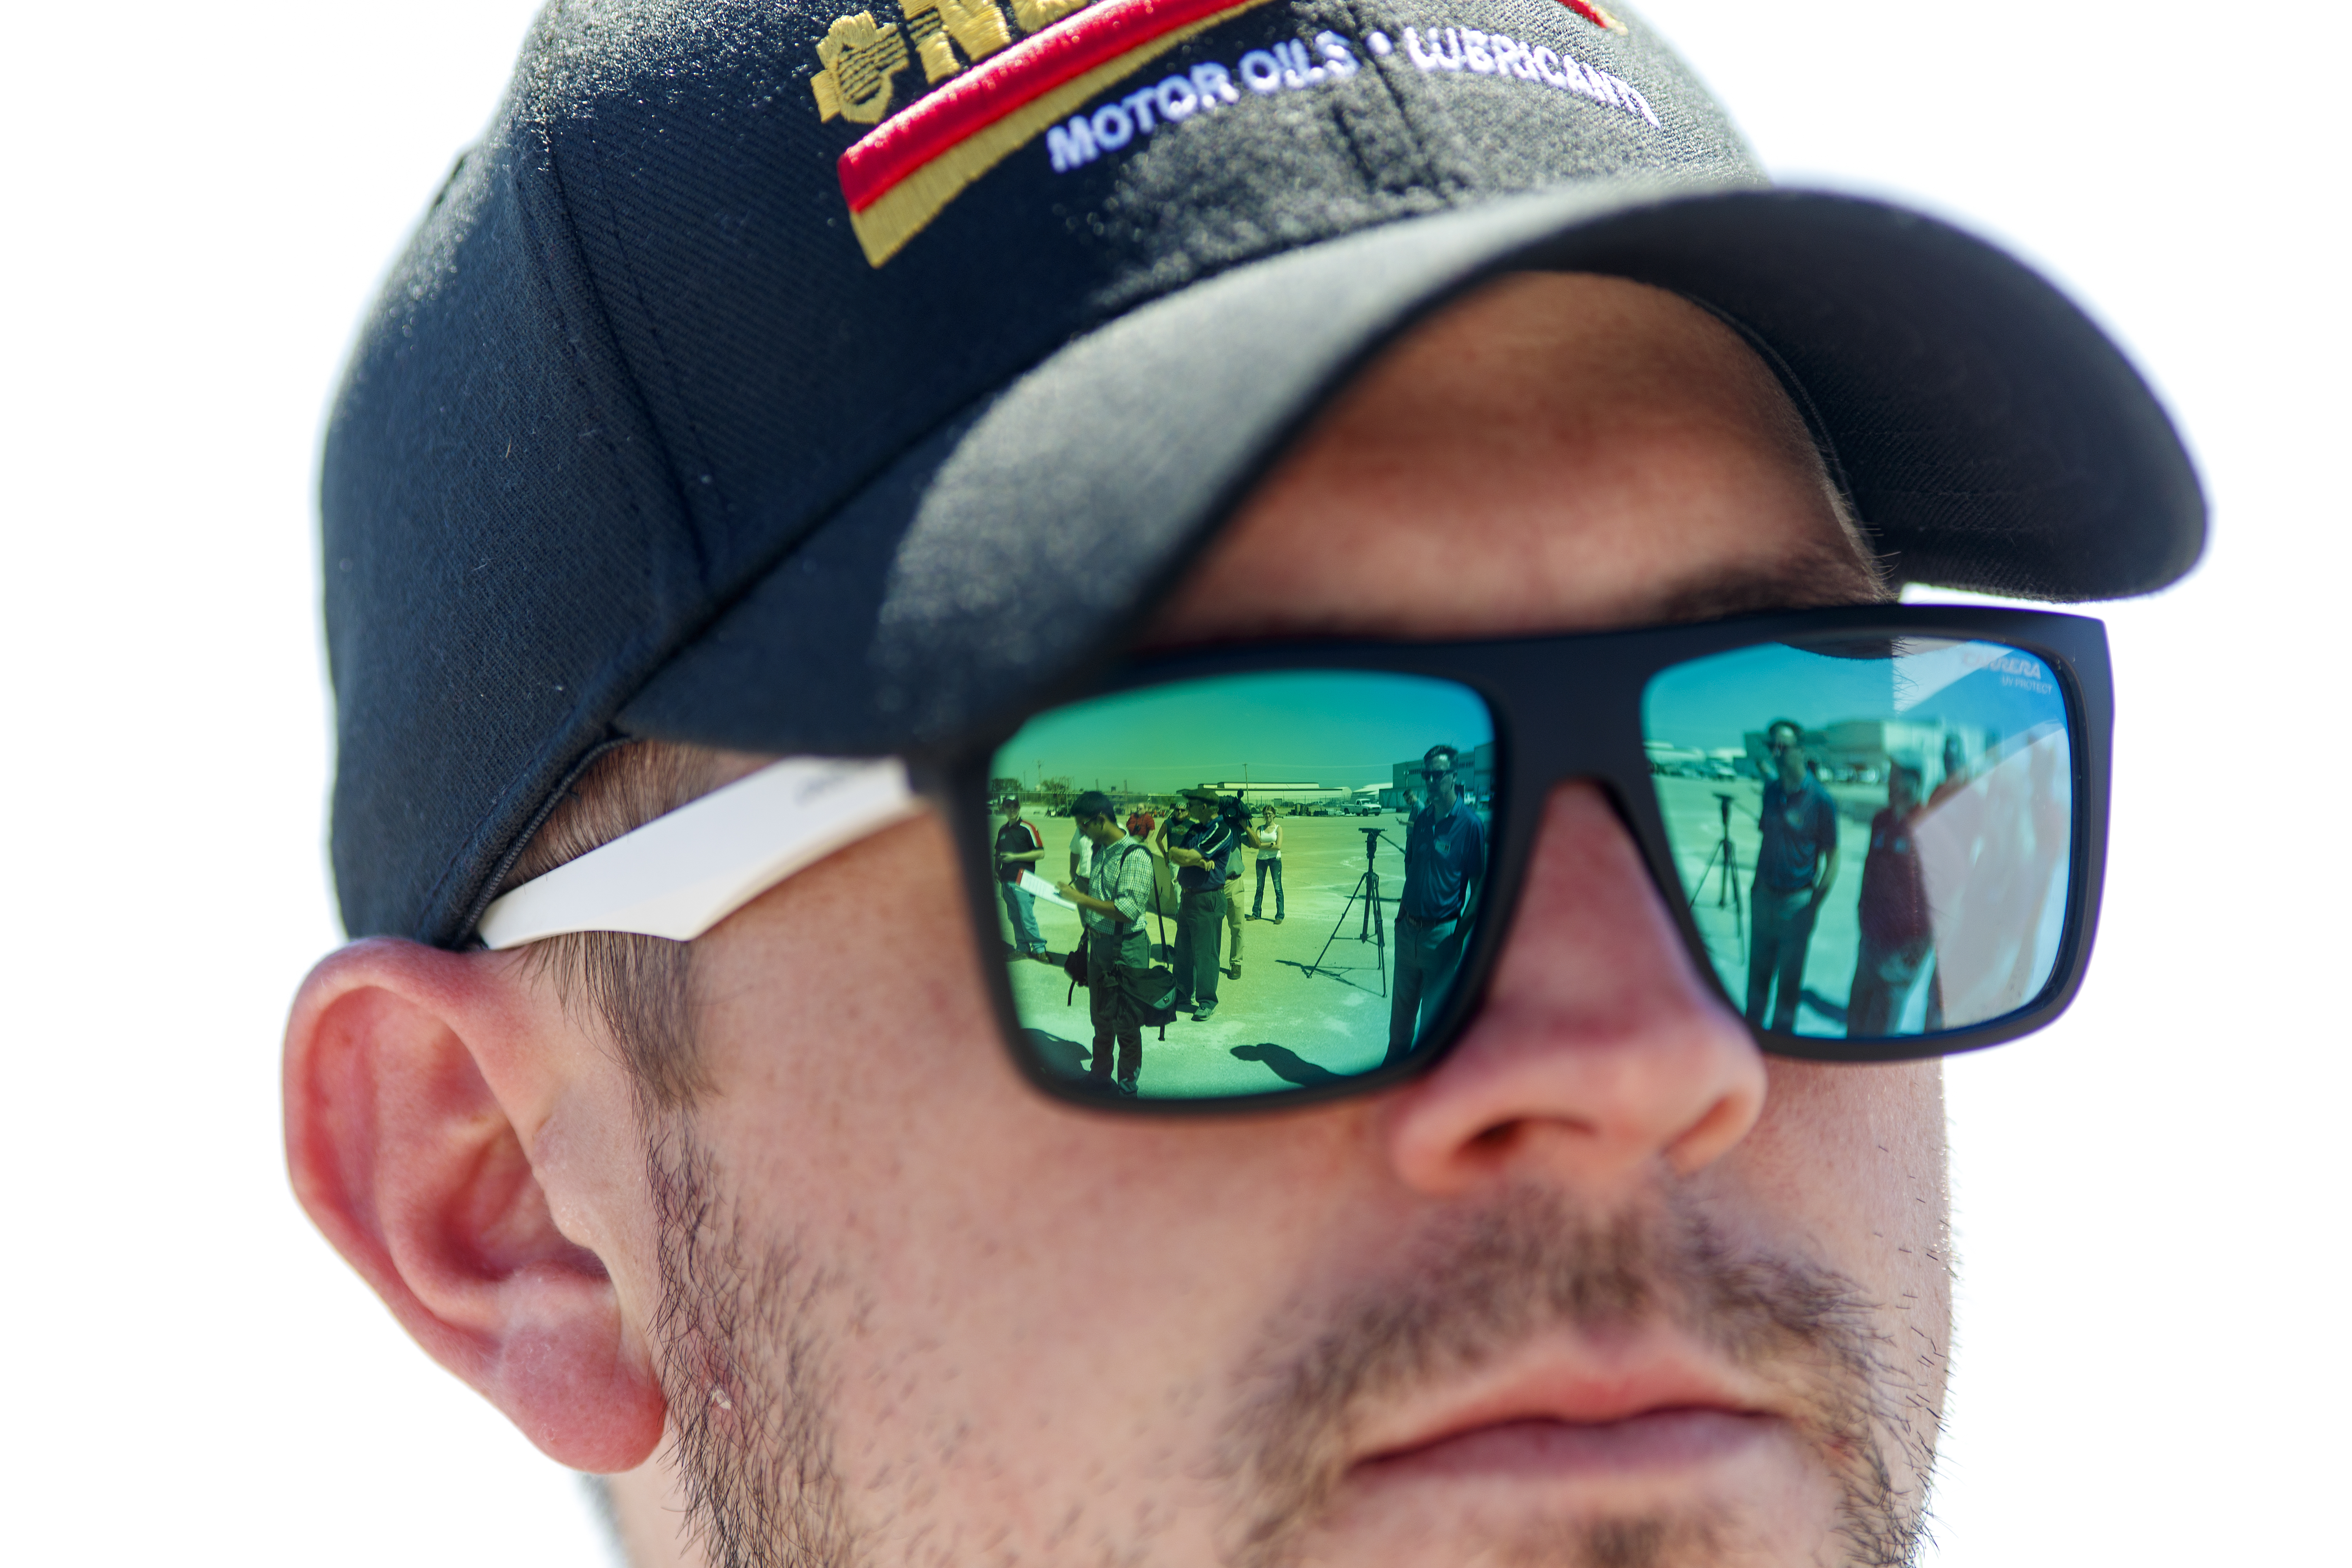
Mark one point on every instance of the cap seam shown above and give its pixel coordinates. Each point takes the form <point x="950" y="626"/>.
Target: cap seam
<point x="621" y="249"/>
<point x="563" y="738"/>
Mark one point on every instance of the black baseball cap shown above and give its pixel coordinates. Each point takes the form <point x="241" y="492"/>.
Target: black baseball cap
<point x="767" y="375"/>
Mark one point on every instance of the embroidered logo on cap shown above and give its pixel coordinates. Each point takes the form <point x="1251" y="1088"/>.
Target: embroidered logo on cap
<point x="987" y="92"/>
<point x="900" y="175"/>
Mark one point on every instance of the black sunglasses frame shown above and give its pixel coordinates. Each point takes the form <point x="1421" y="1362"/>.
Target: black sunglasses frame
<point x="1570" y="707"/>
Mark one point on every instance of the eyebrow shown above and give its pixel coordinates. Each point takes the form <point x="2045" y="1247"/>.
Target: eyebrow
<point x="1814" y="576"/>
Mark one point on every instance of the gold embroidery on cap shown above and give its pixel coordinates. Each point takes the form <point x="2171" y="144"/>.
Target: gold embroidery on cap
<point x="1034" y="14"/>
<point x="976" y="25"/>
<point x="902" y="211"/>
<point x="860" y="57"/>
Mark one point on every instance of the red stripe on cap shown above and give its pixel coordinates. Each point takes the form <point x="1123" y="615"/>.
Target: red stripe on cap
<point x="989" y="91"/>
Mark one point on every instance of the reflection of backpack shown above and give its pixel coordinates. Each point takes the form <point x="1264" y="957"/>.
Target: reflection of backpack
<point x="1156" y="987"/>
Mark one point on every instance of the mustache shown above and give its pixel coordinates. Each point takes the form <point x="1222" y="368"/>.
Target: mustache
<point x="1533" y="1264"/>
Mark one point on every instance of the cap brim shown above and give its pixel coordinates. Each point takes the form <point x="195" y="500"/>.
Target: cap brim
<point x="1990" y="436"/>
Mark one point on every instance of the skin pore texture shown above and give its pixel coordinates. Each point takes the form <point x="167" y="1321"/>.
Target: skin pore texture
<point x="1605" y="1287"/>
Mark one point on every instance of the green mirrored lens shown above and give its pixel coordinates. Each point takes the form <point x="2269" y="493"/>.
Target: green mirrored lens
<point x="1874" y="839"/>
<point x="1319" y="952"/>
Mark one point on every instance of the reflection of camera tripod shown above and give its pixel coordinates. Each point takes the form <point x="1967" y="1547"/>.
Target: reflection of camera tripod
<point x="1374" y="929"/>
<point x="1726" y="860"/>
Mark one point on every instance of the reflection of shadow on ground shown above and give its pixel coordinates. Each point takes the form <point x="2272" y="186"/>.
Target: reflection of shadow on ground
<point x="1834" y="1011"/>
<point x="1287" y="1064"/>
<point x="1067" y="1057"/>
<point x="1336" y="972"/>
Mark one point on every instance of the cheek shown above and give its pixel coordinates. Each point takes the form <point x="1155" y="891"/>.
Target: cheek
<point x="1851" y="1159"/>
<point x="1007" y="1263"/>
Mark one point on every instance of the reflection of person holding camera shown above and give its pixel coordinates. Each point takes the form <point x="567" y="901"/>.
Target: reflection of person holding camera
<point x="1111" y="899"/>
<point x="1795" y="865"/>
<point x="1444" y="857"/>
<point x="1269" y="859"/>
<point x="1200" y="841"/>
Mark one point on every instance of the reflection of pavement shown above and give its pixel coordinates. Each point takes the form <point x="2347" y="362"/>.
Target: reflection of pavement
<point x="1276" y="1026"/>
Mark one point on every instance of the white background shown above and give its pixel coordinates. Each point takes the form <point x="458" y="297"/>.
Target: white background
<point x="201" y="199"/>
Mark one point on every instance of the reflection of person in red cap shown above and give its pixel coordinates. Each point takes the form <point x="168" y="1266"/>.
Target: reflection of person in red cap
<point x="1897" y="939"/>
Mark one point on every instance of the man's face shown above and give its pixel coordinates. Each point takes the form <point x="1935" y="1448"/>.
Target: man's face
<point x="1606" y="1286"/>
<point x="1789" y="752"/>
<point x="1439" y="776"/>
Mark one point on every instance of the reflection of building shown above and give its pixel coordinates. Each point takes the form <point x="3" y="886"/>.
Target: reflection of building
<point x="1858" y="751"/>
<point x="1692" y="762"/>
<point x="1269" y="792"/>
<point x="1476" y="766"/>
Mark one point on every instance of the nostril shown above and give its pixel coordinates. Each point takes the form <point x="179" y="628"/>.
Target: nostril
<point x="1494" y="1140"/>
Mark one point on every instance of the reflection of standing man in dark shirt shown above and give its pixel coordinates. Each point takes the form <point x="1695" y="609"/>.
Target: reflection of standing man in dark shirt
<point x="1018" y="848"/>
<point x="1794" y="868"/>
<point x="1198" y="844"/>
<point x="1892" y="914"/>
<point x="1444" y="857"/>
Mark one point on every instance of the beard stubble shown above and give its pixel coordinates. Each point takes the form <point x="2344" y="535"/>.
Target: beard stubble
<point x="745" y="1363"/>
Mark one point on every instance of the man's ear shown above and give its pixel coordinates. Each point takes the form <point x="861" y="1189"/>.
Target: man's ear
<point x="417" y="1083"/>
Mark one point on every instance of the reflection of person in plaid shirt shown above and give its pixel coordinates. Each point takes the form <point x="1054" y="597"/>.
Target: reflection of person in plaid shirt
<point x="1111" y="899"/>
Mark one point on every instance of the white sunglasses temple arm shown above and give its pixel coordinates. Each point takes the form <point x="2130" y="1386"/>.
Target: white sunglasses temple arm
<point x="681" y="874"/>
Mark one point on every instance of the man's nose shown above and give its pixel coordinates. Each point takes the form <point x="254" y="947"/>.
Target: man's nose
<point x="1601" y="1055"/>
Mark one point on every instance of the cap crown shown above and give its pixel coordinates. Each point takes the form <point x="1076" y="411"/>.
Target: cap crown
<point x="717" y="265"/>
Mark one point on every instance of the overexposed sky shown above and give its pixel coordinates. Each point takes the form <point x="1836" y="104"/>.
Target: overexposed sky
<point x="201" y="201"/>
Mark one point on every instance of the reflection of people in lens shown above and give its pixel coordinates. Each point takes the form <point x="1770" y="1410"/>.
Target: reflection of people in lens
<point x="1444" y="857"/>
<point x="1142" y="823"/>
<point x="1896" y="939"/>
<point x="1018" y="848"/>
<point x="1956" y="772"/>
<point x="1795" y="865"/>
<point x="1111" y="899"/>
<point x="1269" y="861"/>
<point x="1200" y="843"/>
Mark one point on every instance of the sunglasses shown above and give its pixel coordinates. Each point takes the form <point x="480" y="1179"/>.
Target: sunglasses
<point x="1919" y="875"/>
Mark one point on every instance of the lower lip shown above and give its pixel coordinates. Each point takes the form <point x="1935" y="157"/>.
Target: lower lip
<point x="1658" y="1440"/>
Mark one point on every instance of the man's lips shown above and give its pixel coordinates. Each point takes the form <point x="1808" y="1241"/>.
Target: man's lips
<point x="1552" y="1412"/>
<point x="1655" y="1440"/>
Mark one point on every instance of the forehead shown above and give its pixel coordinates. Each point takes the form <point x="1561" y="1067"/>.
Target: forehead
<point x="1559" y="452"/>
